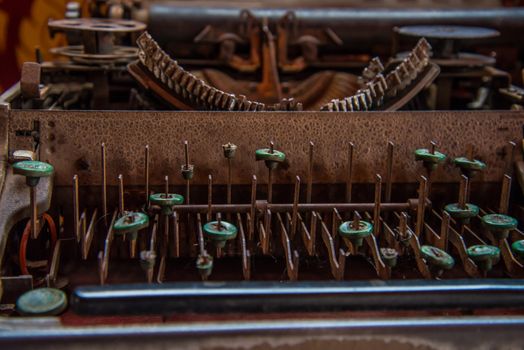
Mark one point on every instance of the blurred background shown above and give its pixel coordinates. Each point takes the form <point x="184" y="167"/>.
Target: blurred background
<point x="23" y="23"/>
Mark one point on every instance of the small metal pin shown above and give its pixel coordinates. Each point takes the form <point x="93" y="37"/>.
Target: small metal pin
<point x="389" y="171"/>
<point x="271" y="147"/>
<point x="355" y="224"/>
<point x="166" y="187"/>
<point x="433" y="147"/>
<point x="376" y="209"/>
<point x="146" y="175"/>
<point x="186" y="153"/>
<point x="295" y="207"/>
<point x="349" y="181"/>
<point x="309" y="188"/>
<point x="104" y="183"/>
<point x="121" y="207"/>
<point x="505" y="194"/>
<point x="469" y="151"/>
<point x="209" y="196"/>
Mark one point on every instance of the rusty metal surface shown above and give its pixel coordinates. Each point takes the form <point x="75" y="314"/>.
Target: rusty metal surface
<point x="71" y="142"/>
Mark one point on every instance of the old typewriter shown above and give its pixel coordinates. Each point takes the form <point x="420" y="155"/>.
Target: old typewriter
<point x="231" y="176"/>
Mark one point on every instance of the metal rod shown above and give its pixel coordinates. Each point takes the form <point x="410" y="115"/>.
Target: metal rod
<point x="186" y="156"/>
<point x="421" y="205"/>
<point x="270" y="185"/>
<point x="302" y="207"/>
<point x="376" y="209"/>
<point x="104" y="183"/>
<point x="295" y="207"/>
<point x="511" y="155"/>
<point x="34" y="212"/>
<point x="389" y="171"/>
<point x="349" y="181"/>
<point x="463" y="192"/>
<point x="121" y="206"/>
<point x="309" y="188"/>
<point x="252" y="207"/>
<point x="146" y="175"/>
<point x="209" y="196"/>
<point x="229" y="176"/>
<point x="504" y="194"/>
<point x="76" y="207"/>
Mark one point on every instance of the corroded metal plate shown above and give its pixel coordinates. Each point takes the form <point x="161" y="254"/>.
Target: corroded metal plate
<point x="70" y="140"/>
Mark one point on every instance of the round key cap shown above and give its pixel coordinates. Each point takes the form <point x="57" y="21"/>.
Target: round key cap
<point x="355" y="235"/>
<point x="204" y="265"/>
<point x="229" y="150"/>
<point x="518" y="248"/>
<point x="166" y="201"/>
<point x="33" y="170"/>
<point x="436" y="257"/>
<point x="469" y="166"/>
<point x="131" y="222"/>
<point x="429" y="159"/>
<point x="389" y="256"/>
<point x="42" y="302"/>
<point x="162" y="200"/>
<point x="266" y="155"/>
<point x="471" y="210"/>
<point x="220" y="233"/>
<point x="484" y="255"/>
<point x="499" y="224"/>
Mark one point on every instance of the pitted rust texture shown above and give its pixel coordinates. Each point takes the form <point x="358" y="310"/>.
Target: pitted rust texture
<point x="71" y="142"/>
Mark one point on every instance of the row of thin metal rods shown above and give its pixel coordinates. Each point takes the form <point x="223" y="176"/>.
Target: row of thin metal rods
<point x="289" y="220"/>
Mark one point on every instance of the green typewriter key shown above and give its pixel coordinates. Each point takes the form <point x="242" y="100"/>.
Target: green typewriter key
<point x="42" y="302"/>
<point x="485" y="256"/>
<point x="455" y="211"/>
<point x="33" y="170"/>
<point x="355" y="231"/>
<point x="270" y="156"/>
<point x="204" y="265"/>
<point x="437" y="258"/>
<point x="518" y="249"/>
<point x="166" y="201"/>
<point x="220" y="232"/>
<point x="389" y="256"/>
<point x="130" y="223"/>
<point x="499" y="224"/>
<point x="430" y="158"/>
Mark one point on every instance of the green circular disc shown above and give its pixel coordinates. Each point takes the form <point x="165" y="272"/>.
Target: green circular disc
<point x="162" y="200"/>
<point x="437" y="257"/>
<point x="454" y="211"/>
<point x="483" y="252"/>
<point x="364" y="229"/>
<point x="42" y="302"/>
<point x="518" y="248"/>
<point x="425" y="155"/>
<point x="469" y="164"/>
<point x="226" y="232"/>
<point x="499" y="222"/>
<point x="33" y="168"/>
<point x="131" y="222"/>
<point x="266" y="154"/>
